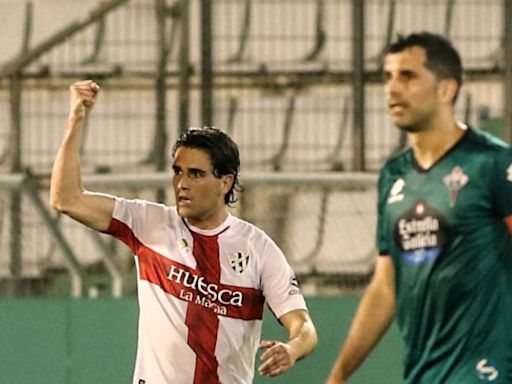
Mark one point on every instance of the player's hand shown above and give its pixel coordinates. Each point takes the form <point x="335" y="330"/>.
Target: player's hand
<point x="277" y="358"/>
<point x="82" y="96"/>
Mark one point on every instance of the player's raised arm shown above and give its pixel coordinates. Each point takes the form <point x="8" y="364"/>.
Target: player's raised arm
<point x="373" y="317"/>
<point x="280" y="356"/>
<point x="66" y="192"/>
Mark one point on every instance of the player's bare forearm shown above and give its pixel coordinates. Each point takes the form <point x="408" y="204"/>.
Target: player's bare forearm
<point x="372" y="319"/>
<point x="66" y="192"/>
<point x="281" y="356"/>
<point x="302" y="333"/>
<point x="65" y="185"/>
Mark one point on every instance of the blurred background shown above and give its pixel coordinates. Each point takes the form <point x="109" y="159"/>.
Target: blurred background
<point x="297" y="83"/>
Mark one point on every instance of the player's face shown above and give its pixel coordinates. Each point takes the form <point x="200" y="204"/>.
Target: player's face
<point x="199" y="194"/>
<point x="411" y="89"/>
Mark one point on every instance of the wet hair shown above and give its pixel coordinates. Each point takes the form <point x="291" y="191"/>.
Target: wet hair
<point x="442" y="57"/>
<point x="222" y="150"/>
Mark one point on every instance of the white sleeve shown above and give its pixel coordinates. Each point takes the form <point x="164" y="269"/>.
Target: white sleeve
<point x="135" y="219"/>
<point x="280" y="286"/>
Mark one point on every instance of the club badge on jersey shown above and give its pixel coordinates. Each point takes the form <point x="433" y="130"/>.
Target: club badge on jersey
<point x="454" y="182"/>
<point x="238" y="261"/>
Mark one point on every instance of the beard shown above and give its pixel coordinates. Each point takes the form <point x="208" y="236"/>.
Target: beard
<point x="417" y="124"/>
<point x="410" y="128"/>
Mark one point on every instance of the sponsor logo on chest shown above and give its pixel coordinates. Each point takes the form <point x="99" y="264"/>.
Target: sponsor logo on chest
<point x="198" y="290"/>
<point x="420" y="234"/>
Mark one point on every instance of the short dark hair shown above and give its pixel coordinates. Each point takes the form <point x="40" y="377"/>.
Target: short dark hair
<point x="222" y="150"/>
<point x="442" y="57"/>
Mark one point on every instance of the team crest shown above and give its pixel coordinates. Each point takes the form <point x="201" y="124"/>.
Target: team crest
<point x="454" y="182"/>
<point x="238" y="261"/>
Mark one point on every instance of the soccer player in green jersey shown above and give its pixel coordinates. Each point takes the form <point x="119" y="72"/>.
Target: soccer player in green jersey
<point x="444" y="233"/>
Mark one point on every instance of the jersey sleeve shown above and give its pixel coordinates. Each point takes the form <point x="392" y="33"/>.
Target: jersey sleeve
<point x="280" y="286"/>
<point x="382" y="232"/>
<point x="502" y="186"/>
<point x="133" y="220"/>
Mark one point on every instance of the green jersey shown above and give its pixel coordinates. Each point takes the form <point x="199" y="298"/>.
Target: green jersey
<point x="445" y="229"/>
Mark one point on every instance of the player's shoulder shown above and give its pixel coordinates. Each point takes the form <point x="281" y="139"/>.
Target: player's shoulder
<point x="144" y="204"/>
<point x="146" y="208"/>
<point x="488" y="148"/>
<point x="244" y="227"/>
<point x="249" y="231"/>
<point x="485" y="141"/>
<point x="396" y="165"/>
<point x="398" y="159"/>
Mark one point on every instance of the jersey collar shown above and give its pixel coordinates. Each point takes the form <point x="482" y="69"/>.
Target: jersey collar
<point x="462" y="139"/>
<point x="213" y="231"/>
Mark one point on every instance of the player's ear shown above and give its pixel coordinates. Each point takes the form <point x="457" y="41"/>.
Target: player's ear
<point x="227" y="181"/>
<point x="447" y="90"/>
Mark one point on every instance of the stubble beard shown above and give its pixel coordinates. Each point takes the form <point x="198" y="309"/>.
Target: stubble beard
<point x="418" y="125"/>
<point x="410" y="128"/>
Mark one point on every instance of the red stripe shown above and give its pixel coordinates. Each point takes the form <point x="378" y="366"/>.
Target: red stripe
<point x="155" y="268"/>
<point x="508" y="220"/>
<point x="204" y="325"/>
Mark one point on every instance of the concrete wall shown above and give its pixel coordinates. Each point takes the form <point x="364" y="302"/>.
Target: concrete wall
<point x="64" y="341"/>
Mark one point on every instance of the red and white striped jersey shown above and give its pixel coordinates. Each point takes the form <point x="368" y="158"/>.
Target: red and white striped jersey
<point x="201" y="294"/>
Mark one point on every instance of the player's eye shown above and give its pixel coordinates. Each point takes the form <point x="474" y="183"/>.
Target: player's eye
<point x="196" y="173"/>
<point x="176" y="170"/>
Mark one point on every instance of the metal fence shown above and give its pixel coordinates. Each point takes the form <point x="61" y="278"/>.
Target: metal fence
<point x="295" y="82"/>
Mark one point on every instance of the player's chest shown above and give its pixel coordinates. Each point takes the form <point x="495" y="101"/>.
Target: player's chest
<point x="215" y="258"/>
<point x="451" y="196"/>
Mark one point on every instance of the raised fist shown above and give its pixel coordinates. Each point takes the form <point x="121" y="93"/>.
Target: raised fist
<point x="82" y="98"/>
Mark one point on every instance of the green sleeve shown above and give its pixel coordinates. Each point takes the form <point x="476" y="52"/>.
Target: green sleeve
<point x="502" y="183"/>
<point x="382" y="223"/>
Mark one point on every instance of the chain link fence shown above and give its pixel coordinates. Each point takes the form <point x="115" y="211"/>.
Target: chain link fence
<point x="281" y="76"/>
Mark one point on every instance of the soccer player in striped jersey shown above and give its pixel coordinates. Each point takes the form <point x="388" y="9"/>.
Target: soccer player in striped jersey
<point x="444" y="232"/>
<point x="203" y="275"/>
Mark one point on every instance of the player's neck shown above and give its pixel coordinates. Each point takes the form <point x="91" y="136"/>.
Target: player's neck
<point x="210" y="221"/>
<point x="431" y="144"/>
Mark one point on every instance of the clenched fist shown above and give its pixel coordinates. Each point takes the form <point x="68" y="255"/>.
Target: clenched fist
<point x="82" y="98"/>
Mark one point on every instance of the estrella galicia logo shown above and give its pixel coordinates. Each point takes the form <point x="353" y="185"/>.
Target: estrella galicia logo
<point x="421" y="256"/>
<point x="421" y="234"/>
<point x="486" y="370"/>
